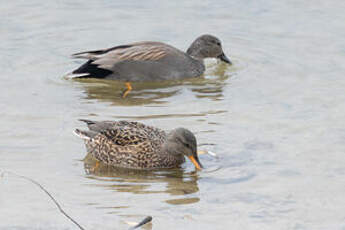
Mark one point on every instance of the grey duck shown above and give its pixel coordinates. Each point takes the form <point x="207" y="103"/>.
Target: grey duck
<point x="149" y="61"/>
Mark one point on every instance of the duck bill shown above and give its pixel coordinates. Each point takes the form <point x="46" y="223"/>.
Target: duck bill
<point x="224" y="58"/>
<point x="196" y="162"/>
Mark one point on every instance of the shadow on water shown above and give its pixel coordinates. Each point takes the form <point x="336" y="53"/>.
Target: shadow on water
<point x="208" y="86"/>
<point x="177" y="181"/>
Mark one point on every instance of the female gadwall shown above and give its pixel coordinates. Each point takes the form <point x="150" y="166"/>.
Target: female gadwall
<point x="149" y="61"/>
<point x="135" y="145"/>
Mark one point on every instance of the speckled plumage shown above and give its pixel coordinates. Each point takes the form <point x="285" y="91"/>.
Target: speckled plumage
<point x="136" y="145"/>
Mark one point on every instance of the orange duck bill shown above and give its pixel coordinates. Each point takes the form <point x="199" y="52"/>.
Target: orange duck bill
<point x="196" y="162"/>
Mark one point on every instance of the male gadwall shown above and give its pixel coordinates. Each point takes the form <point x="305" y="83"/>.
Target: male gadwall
<point x="135" y="145"/>
<point x="149" y="61"/>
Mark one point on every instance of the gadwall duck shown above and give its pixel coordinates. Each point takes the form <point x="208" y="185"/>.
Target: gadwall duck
<point x="134" y="145"/>
<point x="149" y="61"/>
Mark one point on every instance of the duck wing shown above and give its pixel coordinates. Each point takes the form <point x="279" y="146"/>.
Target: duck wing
<point x="126" y="136"/>
<point x="141" y="51"/>
<point x="125" y="146"/>
<point x="150" y="131"/>
<point x="98" y="126"/>
<point x="127" y="132"/>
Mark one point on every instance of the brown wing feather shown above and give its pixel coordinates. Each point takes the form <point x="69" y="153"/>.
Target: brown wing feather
<point x="141" y="51"/>
<point x="144" y="53"/>
<point x="99" y="126"/>
<point x="125" y="136"/>
<point x="113" y="148"/>
<point x="125" y="143"/>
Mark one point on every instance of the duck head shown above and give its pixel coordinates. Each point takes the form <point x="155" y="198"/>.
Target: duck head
<point x="207" y="46"/>
<point x="183" y="141"/>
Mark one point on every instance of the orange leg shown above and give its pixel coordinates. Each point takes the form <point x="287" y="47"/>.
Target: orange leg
<point x="129" y="89"/>
<point x="97" y="164"/>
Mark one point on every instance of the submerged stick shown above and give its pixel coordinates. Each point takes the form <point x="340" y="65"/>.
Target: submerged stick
<point x="144" y="221"/>
<point x="51" y="197"/>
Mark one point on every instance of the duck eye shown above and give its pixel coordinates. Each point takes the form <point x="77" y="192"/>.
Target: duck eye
<point x="187" y="145"/>
<point x="218" y="43"/>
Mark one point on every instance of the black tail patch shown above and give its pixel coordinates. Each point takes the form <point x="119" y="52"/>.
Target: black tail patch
<point x="92" y="70"/>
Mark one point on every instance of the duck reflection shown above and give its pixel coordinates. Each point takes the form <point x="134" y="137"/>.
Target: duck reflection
<point x="178" y="182"/>
<point x="209" y="86"/>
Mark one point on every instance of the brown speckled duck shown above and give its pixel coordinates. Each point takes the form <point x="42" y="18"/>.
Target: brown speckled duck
<point x="129" y="144"/>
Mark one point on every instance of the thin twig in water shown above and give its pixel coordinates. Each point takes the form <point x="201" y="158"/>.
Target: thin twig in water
<point x="46" y="191"/>
<point x="2" y="174"/>
<point x="144" y="221"/>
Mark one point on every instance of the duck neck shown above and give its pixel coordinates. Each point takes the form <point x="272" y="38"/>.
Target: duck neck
<point x="194" y="52"/>
<point x="171" y="148"/>
<point x="197" y="60"/>
<point x="171" y="155"/>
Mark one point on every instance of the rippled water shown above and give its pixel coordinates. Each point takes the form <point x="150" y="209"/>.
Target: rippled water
<point x="275" y="118"/>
